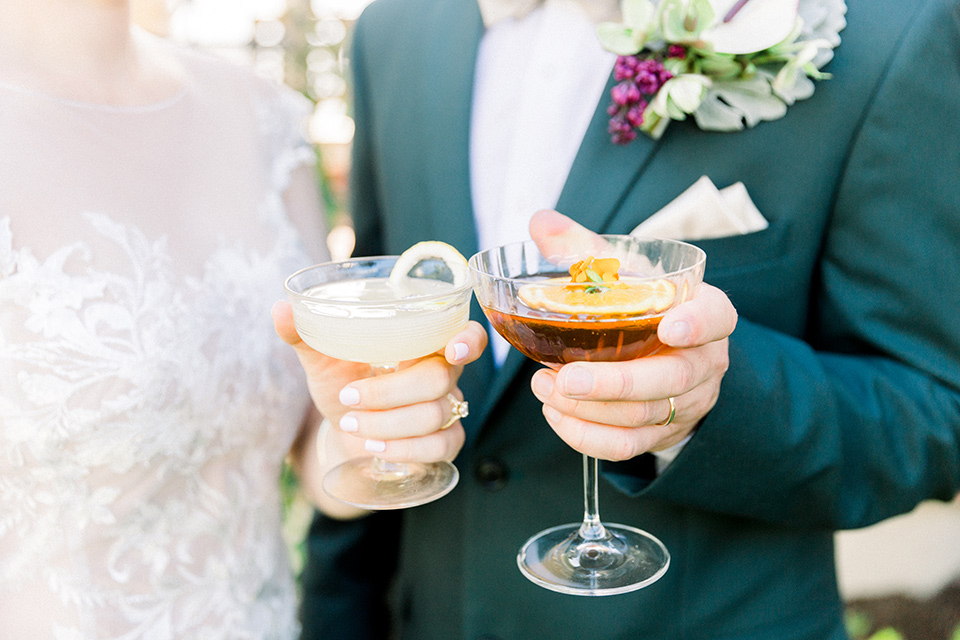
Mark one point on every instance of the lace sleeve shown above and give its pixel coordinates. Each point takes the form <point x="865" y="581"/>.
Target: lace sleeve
<point x="7" y="262"/>
<point x="283" y="117"/>
<point x="294" y="193"/>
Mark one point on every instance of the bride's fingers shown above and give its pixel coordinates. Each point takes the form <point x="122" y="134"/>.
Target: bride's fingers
<point x="466" y="346"/>
<point x="409" y="421"/>
<point x="282" y="314"/>
<point x="322" y="371"/>
<point x="425" y="380"/>
<point x="439" y="445"/>
<point x="421" y="381"/>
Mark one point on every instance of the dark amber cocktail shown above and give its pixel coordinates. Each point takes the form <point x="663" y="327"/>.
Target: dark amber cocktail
<point x="556" y="342"/>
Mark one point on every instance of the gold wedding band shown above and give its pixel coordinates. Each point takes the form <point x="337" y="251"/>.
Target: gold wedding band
<point x="458" y="409"/>
<point x="673" y="413"/>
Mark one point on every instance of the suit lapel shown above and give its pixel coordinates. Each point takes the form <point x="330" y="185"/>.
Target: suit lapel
<point x="603" y="173"/>
<point x="455" y="30"/>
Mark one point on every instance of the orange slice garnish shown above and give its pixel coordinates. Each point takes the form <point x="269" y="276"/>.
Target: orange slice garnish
<point x="624" y="297"/>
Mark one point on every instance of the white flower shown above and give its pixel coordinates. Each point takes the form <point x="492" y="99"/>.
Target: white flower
<point x="756" y="25"/>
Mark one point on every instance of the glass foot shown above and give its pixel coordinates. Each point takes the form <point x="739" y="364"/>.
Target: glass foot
<point x="625" y="560"/>
<point x="357" y="482"/>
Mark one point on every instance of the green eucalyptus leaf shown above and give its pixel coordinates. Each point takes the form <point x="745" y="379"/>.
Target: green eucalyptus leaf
<point x="676" y="66"/>
<point x="887" y="633"/>
<point x="720" y="66"/>
<point x="857" y="623"/>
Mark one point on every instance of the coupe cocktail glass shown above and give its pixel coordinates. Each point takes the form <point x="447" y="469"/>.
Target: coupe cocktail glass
<point x="589" y="557"/>
<point x="349" y="310"/>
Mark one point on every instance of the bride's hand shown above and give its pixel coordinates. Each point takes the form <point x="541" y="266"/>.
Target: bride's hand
<point x="403" y="416"/>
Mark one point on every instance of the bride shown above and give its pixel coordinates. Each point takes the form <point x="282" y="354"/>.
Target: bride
<point x="152" y="200"/>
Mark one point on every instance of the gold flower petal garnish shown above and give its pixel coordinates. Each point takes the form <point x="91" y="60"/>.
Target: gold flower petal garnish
<point x="595" y="270"/>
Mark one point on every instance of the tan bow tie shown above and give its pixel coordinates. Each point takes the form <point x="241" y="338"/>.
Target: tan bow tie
<point x="493" y="11"/>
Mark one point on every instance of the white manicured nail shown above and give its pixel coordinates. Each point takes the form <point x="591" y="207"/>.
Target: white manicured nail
<point x="349" y="423"/>
<point x="349" y="396"/>
<point x="375" y="446"/>
<point x="460" y="351"/>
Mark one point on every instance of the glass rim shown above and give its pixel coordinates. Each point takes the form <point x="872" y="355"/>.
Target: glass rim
<point x="701" y="259"/>
<point x="453" y="293"/>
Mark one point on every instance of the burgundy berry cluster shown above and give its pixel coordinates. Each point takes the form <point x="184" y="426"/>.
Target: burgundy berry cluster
<point x="638" y="80"/>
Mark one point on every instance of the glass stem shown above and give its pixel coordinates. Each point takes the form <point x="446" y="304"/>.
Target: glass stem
<point x="384" y="468"/>
<point x="592" y="528"/>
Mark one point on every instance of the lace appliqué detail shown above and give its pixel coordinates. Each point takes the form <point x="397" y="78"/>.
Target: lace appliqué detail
<point x="143" y="420"/>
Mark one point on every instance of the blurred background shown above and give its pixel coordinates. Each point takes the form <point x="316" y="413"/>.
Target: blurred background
<point x="901" y="578"/>
<point x="302" y="43"/>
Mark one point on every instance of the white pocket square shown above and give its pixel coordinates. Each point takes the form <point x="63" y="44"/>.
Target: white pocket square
<point x="702" y="212"/>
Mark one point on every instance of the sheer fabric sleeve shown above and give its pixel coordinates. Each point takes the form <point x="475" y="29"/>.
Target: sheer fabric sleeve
<point x="294" y="168"/>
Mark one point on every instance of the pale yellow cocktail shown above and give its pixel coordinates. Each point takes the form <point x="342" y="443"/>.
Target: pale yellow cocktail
<point x="382" y="311"/>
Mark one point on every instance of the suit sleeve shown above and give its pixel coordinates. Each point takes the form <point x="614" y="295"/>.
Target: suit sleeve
<point x="350" y="564"/>
<point x="861" y="420"/>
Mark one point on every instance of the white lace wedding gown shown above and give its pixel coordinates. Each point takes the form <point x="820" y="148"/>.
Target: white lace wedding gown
<point x="146" y="404"/>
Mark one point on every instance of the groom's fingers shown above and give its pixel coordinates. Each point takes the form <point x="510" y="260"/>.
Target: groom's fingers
<point x="558" y="235"/>
<point x="708" y="317"/>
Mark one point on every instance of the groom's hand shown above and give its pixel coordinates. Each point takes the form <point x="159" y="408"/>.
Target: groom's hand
<point x="611" y="410"/>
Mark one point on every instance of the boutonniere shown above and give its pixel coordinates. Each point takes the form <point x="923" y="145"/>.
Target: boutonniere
<point x="728" y="63"/>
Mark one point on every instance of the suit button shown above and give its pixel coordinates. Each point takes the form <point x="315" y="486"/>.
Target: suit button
<point x="492" y="474"/>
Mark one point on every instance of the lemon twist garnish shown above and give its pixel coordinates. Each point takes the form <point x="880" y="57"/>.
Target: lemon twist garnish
<point x="428" y="250"/>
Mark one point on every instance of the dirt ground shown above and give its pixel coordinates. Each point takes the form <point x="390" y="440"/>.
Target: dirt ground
<point x="935" y="619"/>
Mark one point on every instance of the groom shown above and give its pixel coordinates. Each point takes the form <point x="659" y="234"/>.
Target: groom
<point x="841" y="402"/>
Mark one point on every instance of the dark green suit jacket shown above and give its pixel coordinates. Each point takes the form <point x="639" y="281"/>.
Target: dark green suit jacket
<point x="841" y="405"/>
